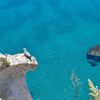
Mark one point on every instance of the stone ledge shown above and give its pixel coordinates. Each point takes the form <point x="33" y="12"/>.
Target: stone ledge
<point x="17" y="59"/>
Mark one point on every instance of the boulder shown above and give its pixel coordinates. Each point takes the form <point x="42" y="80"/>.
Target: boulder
<point x="94" y="53"/>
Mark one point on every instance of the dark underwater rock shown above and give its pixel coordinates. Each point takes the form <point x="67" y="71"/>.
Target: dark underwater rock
<point x="93" y="55"/>
<point x="93" y="63"/>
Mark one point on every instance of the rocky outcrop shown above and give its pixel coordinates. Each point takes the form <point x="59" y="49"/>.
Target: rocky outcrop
<point x="93" y="55"/>
<point x="12" y="76"/>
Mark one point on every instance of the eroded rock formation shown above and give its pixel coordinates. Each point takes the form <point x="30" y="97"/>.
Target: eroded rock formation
<point x="12" y="76"/>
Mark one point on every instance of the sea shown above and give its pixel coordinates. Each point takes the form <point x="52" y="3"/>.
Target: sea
<point x="59" y="34"/>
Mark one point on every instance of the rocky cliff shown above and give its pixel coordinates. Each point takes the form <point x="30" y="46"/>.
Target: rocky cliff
<point x="12" y="76"/>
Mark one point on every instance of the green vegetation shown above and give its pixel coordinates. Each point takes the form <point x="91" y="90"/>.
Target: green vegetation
<point x="94" y="91"/>
<point x="4" y="63"/>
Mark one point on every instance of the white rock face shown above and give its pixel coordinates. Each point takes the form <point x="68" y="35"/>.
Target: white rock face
<point x="12" y="76"/>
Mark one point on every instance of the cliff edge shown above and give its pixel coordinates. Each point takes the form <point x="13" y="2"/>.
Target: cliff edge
<point x="12" y="76"/>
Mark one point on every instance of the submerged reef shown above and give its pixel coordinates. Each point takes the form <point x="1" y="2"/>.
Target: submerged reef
<point x="93" y="55"/>
<point x="12" y="76"/>
<point x="94" y="91"/>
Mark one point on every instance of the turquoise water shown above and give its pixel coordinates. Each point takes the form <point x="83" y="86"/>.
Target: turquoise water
<point x="58" y="33"/>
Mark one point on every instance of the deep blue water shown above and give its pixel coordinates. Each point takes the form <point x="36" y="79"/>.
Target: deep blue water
<point x="58" y="33"/>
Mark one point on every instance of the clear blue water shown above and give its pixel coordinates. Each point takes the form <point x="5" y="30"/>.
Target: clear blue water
<point x="58" y="33"/>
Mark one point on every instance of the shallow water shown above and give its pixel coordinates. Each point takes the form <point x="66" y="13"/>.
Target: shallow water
<point x="58" y="33"/>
